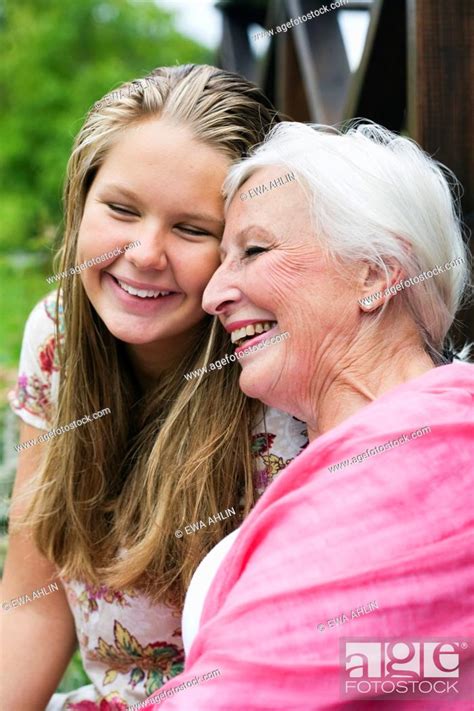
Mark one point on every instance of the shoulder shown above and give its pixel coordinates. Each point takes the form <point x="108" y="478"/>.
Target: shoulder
<point x="42" y="328"/>
<point x="43" y="319"/>
<point x="415" y="438"/>
<point x="34" y="395"/>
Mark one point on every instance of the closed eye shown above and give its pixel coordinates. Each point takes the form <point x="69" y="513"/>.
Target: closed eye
<point x="192" y="230"/>
<point x="121" y="210"/>
<point x="253" y="250"/>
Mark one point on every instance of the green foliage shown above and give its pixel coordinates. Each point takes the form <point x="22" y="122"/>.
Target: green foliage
<point x="74" y="676"/>
<point x="57" y="57"/>
<point x="22" y="284"/>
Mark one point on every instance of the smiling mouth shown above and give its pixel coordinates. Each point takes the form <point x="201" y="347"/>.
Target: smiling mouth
<point x="141" y="293"/>
<point x="240" y="335"/>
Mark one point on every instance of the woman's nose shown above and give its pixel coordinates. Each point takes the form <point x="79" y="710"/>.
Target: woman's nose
<point x="220" y="292"/>
<point x="151" y="253"/>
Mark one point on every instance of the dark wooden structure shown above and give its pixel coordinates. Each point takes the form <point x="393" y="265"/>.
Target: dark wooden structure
<point x="415" y="75"/>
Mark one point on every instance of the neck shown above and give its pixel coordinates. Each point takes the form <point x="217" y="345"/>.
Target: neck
<point x="150" y="360"/>
<point x="361" y="380"/>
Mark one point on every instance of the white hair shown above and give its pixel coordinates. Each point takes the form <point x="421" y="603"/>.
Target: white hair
<point x="378" y="197"/>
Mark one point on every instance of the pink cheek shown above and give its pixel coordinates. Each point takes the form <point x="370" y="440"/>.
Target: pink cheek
<point x="200" y="279"/>
<point x="299" y="351"/>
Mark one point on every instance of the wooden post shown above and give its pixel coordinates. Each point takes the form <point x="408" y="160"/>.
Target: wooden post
<point x="440" y="96"/>
<point x="440" y="77"/>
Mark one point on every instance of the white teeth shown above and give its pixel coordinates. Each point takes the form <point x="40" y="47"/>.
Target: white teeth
<point x="142" y="293"/>
<point x="251" y="330"/>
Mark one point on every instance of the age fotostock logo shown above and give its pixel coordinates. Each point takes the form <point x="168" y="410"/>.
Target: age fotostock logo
<point x="408" y="669"/>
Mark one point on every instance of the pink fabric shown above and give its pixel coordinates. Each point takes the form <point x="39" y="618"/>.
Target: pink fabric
<point x="396" y="528"/>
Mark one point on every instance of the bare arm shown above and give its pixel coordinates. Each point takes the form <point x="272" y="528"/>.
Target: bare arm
<point x="37" y="638"/>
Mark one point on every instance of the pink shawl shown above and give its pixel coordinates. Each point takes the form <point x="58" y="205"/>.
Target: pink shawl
<point x="395" y="529"/>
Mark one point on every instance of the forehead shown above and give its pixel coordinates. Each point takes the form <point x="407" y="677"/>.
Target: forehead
<point x="156" y="144"/>
<point x="270" y="201"/>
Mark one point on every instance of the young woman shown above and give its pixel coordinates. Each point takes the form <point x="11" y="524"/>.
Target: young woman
<point x="110" y="503"/>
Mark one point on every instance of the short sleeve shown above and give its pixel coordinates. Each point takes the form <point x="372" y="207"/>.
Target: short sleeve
<point x="34" y="398"/>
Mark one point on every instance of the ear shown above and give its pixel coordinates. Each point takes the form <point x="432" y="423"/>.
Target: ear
<point x="377" y="286"/>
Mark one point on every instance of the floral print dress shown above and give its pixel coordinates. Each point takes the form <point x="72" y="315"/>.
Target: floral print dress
<point x="130" y="646"/>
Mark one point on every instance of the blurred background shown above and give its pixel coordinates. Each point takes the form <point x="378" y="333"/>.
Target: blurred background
<point x="407" y="64"/>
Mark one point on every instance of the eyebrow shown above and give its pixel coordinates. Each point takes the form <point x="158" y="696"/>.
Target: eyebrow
<point x="242" y="234"/>
<point x="121" y="189"/>
<point x="203" y="216"/>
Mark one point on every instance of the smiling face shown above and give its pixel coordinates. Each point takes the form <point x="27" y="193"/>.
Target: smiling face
<point x="160" y="186"/>
<point x="274" y="271"/>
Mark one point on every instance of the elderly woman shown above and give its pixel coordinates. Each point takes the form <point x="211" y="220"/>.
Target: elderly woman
<point x="368" y="533"/>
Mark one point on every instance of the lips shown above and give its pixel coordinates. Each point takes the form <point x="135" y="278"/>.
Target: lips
<point x="143" y="306"/>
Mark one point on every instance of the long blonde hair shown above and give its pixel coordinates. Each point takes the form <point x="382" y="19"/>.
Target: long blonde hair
<point x="112" y="494"/>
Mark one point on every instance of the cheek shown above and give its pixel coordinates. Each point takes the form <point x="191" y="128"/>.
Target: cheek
<point x="283" y="279"/>
<point x="93" y="242"/>
<point x="195" y="268"/>
<point x="90" y="238"/>
<point x="99" y="234"/>
<point x="90" y="223"/>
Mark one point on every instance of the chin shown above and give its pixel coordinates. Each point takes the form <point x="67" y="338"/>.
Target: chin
<point x="264" y="378"/>
<point x="253" y="384"/>
<point x="134" y="336"/>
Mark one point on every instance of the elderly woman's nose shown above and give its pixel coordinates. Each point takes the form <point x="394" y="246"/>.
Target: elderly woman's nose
<point x="219" y="292"/>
